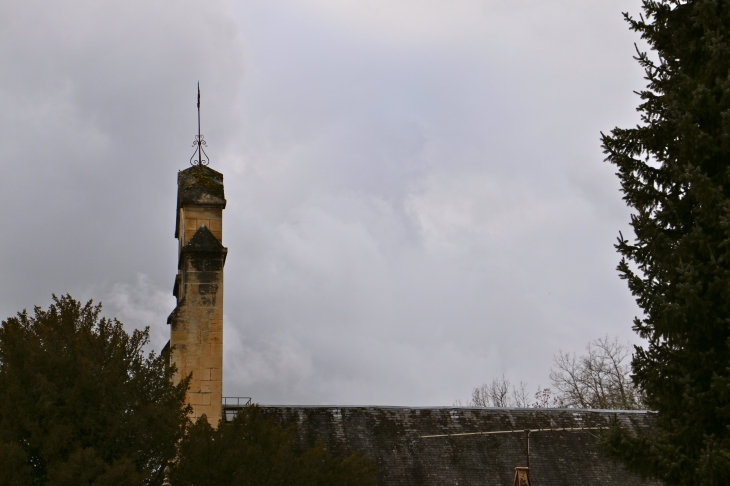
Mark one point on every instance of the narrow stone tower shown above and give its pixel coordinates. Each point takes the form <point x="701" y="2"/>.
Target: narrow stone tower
<point x="196" y="324"/>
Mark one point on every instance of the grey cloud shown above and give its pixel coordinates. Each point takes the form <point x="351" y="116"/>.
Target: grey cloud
<point x="417" y="201"/>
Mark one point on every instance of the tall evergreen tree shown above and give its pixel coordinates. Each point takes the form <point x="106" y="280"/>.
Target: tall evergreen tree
<point x="80" y="404"/>
<point x="674" y="169"/>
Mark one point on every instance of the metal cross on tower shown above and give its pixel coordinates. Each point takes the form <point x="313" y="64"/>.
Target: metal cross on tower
<point x="199" y="142"/>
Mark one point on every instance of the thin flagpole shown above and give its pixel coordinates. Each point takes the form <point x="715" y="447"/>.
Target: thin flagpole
<point x="200" y="158"/>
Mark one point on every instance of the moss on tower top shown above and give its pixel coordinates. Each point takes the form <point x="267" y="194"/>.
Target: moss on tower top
<point x="200" y="186"/>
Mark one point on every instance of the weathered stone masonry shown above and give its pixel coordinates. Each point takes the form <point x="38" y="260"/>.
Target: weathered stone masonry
<point x="196" y="324"/>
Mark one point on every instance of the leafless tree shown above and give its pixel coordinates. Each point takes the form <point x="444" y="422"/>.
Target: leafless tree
<point x="599" y="379"/>
<point x="520" y="397"/>
<point x="499" y="393"/>
<point x="544" y="398"/>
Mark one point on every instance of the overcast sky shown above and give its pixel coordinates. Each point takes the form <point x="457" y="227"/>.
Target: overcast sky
<point x="417" y="198"/>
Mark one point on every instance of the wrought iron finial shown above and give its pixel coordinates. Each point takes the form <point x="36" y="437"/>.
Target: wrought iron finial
<point x="199" y="142"/>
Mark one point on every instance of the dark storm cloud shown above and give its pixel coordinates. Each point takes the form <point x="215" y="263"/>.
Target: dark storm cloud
<point x="417" y="201"/>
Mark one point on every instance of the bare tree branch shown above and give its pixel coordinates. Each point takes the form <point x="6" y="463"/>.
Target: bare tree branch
<point x="599" y="379"/>
<point x="500" y="394"/>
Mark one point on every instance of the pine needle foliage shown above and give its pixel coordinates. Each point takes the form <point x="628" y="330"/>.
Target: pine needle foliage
<point x="674" y="169"/>
<point x="252" y="450"/>
<point x="80" y="403"/>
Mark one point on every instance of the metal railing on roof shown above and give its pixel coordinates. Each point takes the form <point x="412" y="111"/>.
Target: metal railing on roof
<point x="233" y="405"/>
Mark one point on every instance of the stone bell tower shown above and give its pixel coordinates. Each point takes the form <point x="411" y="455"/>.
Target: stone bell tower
<point x="196" y="324"/>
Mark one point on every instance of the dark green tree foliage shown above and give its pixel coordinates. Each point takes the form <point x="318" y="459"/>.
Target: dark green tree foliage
<point x="253" y="451"/>
<point x="674" y="170"/>
<point x="80" y="404"/>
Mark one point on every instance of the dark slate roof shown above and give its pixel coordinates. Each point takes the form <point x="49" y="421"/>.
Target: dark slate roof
<point x="393" y="437"/>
